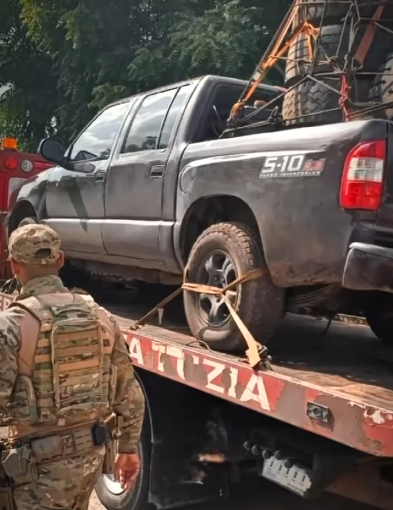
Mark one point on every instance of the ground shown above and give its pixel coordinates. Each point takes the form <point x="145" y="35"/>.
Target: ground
<point x="267" y="496"/>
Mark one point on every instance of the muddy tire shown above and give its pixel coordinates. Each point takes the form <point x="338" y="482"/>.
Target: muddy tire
<point x="221" y="254"/>
<point x="113" y="497"/>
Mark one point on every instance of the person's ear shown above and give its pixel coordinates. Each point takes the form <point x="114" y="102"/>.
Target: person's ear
<point x="60" y="261"/>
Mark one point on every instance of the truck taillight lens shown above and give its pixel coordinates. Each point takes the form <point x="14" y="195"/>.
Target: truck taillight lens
<point x="40" y="165"/>
<point x="362" y="183"/>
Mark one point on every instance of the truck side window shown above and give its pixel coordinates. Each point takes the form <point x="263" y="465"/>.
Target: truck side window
<point x="145" y="129"/>
<point x="97" y="140"/>
<point x="174" y="111"/>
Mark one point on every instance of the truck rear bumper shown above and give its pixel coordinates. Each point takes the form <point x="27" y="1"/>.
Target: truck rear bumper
<point x="369" y="267"/>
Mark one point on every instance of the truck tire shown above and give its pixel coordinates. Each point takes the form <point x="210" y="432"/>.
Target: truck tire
<point x="27" y="221"/>
<point x="221" y="254"/>
<point x="313" y="10"/>
<point x="334" y="43"/>
<point x="113" y="497"/>
<point x="298" y="54"/>
<point x="380" y="317"/>
<point x="382" y="89"/>
<point x="312" y="99"/>
<point x="336" y="10"/>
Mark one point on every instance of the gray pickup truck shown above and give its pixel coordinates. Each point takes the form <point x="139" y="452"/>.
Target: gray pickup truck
<point x="151" y="185"/>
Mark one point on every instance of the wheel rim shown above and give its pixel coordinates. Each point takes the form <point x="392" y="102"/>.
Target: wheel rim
<point x="114" y="487"/>
<point x="218" y="270"/>
<point x="27" y="221"/>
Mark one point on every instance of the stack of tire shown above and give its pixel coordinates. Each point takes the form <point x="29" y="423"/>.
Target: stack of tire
<point x="318" y="101"/>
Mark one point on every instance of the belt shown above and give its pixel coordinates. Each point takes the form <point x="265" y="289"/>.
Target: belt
<point x="76" y="440"/>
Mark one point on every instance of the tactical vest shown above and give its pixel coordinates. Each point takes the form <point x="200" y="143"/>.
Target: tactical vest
<point x="73" y="380"/>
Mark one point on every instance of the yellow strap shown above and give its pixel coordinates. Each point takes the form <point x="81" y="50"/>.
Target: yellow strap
<point x="256" y="353"/>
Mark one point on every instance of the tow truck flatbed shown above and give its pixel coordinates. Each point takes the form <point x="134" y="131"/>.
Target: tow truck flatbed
<point x="337" y="383"/>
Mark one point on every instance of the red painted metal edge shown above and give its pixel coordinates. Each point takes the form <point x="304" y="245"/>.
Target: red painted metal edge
<point x="365" y="427"/>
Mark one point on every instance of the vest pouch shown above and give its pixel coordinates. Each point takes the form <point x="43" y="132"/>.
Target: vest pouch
<point x="19" y="465"/>
<point x="6" y="499"/>
<point x="47" y="448"/>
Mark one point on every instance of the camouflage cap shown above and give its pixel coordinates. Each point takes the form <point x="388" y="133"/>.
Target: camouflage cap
<point x="34" y="244"/>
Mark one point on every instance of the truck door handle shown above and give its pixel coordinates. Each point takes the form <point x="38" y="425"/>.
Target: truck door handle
<point x="99" y="177"/>
<point x="157" y="171"/>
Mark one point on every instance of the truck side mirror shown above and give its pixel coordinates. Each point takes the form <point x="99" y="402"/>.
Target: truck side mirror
<point x="52" y="150"/>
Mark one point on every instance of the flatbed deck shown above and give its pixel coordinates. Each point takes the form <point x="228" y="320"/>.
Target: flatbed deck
<point x="336" y="383"/>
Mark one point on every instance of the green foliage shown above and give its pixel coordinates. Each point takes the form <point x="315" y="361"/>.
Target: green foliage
<point x="64" y="60"/>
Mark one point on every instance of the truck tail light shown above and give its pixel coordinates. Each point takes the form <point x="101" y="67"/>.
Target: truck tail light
<point x="362" y="182"/>
<point x="41" y="165"/>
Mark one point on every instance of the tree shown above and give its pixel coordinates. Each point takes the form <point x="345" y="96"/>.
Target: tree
<point x="27" y="105"/>
<point x="64" y="60"/>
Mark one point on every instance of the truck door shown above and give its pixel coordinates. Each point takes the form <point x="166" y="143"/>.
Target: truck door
<point x="75" y="198"/>
<point x="134" y="226"/>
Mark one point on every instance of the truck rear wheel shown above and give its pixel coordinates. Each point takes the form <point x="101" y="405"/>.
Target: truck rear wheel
<point x="380" y="317"/>
<point x="113" y="497"/>
<point x="220" y="255"/>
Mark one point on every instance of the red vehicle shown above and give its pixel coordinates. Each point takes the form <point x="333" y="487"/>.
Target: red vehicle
<point x="15" y="167"/>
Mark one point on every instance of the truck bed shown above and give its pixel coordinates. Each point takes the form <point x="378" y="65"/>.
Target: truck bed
<point x="337" y="383"/>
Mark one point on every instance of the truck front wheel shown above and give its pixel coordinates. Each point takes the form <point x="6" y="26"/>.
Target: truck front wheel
<point x="220" y="255"/>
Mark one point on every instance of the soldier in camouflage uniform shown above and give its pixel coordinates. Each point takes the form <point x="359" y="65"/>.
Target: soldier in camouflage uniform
<point x="65" y="378"/>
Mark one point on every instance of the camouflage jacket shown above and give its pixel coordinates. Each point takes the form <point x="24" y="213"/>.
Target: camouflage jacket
<point x="16" y="322"/>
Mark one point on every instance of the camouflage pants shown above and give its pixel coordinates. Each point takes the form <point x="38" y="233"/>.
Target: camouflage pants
<point x="65" y="484"/>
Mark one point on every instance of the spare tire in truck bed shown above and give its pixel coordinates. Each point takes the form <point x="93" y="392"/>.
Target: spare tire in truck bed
<point x="315" y="99"/>
<point x="334" y="44"/>
<point x="335" y="11"/>
<point x="382" y="89"/>
<point x="319" y="103"/>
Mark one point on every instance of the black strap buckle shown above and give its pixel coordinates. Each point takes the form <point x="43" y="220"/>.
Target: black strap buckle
<point x="99" y="434"/>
